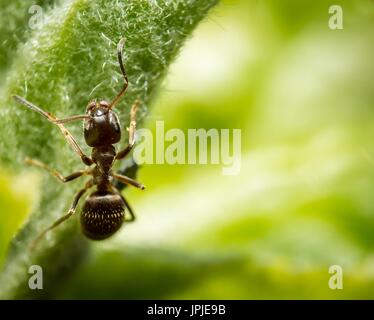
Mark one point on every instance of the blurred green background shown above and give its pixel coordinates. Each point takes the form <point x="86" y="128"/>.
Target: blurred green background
<point x="302" y="95"/>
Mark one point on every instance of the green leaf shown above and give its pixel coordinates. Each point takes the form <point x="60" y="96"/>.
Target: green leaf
<point x="68" y="61"/>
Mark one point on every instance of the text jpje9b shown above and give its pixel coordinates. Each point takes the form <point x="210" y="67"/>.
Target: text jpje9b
<point x="192" y="310"/>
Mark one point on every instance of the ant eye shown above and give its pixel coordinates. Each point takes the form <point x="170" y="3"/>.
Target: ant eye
<point x="91" y="106"/>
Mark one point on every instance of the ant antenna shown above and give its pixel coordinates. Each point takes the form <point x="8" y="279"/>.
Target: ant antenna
<point x="122" y="67"/>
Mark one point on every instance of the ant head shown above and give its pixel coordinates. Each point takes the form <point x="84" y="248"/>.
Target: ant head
<point x="102" y="128"/>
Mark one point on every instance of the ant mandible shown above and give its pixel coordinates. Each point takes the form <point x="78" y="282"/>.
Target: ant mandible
<point x="104" y="210"/>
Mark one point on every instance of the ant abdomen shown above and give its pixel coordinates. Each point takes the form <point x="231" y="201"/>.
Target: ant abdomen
<point x="102" y="215"/>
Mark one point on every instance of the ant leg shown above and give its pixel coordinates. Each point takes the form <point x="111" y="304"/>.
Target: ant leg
<point x="55" y="173"/>
<point x="68" y="136"/>
<point x="131" y="211"/>
<point x="123" y="153"/>
<point x="72" y="118"/>
<point x="128" y="168"/>
<point x="71" y="211"/>
<point x="132" y="214"/>
<point x="128" y="181"/>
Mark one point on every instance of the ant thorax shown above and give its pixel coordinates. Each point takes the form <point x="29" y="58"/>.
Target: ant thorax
<point x="104" y="157"/>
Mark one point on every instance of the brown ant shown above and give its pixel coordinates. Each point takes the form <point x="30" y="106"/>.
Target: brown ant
<point x="104" y="210"/>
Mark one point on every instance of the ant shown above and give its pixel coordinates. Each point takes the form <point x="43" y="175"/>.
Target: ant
<point x="103" y="211"/>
